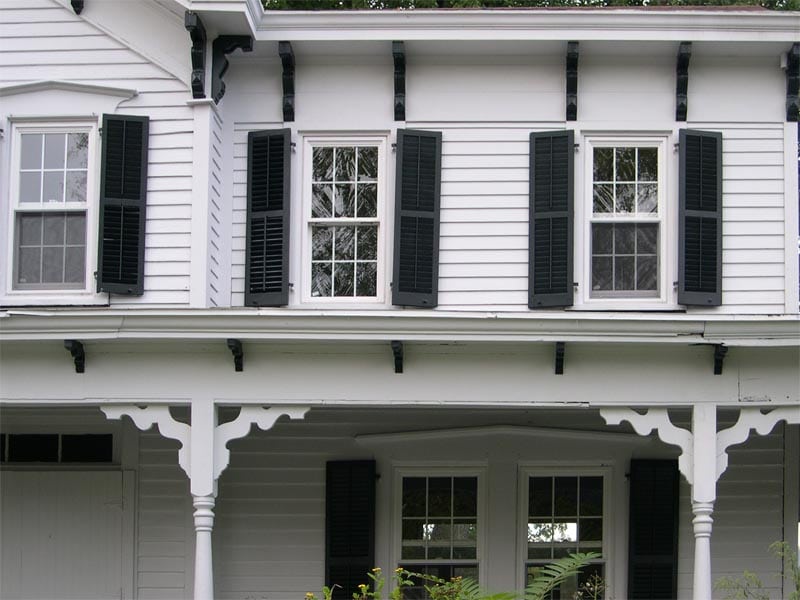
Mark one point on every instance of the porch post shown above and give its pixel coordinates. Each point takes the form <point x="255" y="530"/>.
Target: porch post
<point x="203" y="486"/>
<point x="203" y="562"/>
<point x="704" y="491"/>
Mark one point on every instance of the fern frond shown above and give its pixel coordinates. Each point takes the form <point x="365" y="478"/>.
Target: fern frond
<point x="556" y="573"/>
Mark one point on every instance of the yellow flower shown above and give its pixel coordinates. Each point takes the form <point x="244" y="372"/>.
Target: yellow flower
<point x="362" y="587"/>
<point x="376" y="570"/>
<point x="398" y="570"/>
<point x="309" y="595"/>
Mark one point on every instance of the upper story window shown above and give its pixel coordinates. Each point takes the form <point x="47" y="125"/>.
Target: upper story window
<point x="50" y="214"/>
<point x="627" y="224"/>
<point x="345" y="220"/>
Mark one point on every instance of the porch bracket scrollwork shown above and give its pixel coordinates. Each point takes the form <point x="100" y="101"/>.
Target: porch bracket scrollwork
<point x="264" y="418"/>
<point x="658" y="419"/>
<point x="751" y="418"/>
<point x="145" y="417"/>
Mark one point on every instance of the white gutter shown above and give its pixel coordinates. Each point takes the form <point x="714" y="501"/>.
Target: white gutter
<point x="407" y="325"/>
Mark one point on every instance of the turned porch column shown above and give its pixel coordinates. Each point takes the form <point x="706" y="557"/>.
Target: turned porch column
<point x="704" y="493"/>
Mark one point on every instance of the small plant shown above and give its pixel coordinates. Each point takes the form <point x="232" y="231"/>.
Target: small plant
<point x="593" y="589"/>
<point x="556" y="573"/>
<point x="748" y="585"/>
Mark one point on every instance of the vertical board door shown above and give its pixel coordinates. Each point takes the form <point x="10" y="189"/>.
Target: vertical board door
<point x="61" y="535"/>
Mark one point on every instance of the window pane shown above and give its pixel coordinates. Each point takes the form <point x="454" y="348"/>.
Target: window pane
<point x="565" y="530"/>
<point x="322" y="243"/>
<point x="602" y="239"/>
<point x="34" y="447"/>
<point x="321" y="201"/>
<point x="367" y="241"/>
<point x="540" y="552"/>
<point x="624" y="239"/>
<point x="603" y="198"/>
<point x="465" y="530"/>
<point x="624" y="273"/>
<point x="321" y="279"/>
<point x="343" y="279"/>
<point x="29" y="229"/>
<point x="413" y="529"/>
<point x="368" y="200"/>
<point x="345" y="243"/>
<point x="465" y="552"/>
<point x="323" y="164"/>
<point x="438" y="530"/>
<point x="366" y="277"/>
<point x="77" y="150"/>
<point x="648" y="164"/>
<point x="31" y="151"/>
<point x="345" y="164"/>
<point x="439" y="495"/>
<point x="646" y="239"/>
<point x="591" y="496"/>
<point x="648" y="198"/>
<point x="602" y="273"/>
<point x="53" y="187"/>
<point x="76" y="229"/>
<point x="74" y="264"/>
<point x="52" y="264"/>
<point x="540" y="532"/>
<point x="604" y="164"/>
<point x="439" y="552"/>
<point x="367" y="164"/>
<point x="344" y="202"/>
<point x="413" y="552"/>
<point x="465" y="496"/>
<point x="30" y="187"/>
<point x="54" y="229"/>
<point x="626" y="198"/>
<point x="565" y="496"/>
<point x="29" y="268"/>
<point x="76" y="186"/>
<point x="540" y="494"/>
<point x="626" y="164"/>
<point x="414" y="496"/>
<point x="54" y="150"/>
<point x="646" y="273"/>
<point x="590" y="530"/>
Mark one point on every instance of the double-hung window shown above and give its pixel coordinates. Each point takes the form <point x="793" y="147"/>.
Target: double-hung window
<point x="564" y="514"/>
<point x="626" y="224"/>
<point x="345" y="220"/>
<point x="50" y="215"/>
<point x="440" y="526"/>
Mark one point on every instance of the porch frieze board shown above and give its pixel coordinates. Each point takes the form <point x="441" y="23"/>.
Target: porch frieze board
<point x="388" y="325"/>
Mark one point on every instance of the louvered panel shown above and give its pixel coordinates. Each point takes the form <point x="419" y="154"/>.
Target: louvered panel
<point x="700" y="258"/>
<point x="551" y="218"/>
<point x="123" y="204"/>
<point x="266" y="272"/>
<point x="416" y="257"/>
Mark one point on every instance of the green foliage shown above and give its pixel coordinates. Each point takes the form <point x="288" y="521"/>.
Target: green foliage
<point x="791" y="567"/>
<point x="554" y="574"/>
<point x="412" y="4"/>
<point x="748" y="586"/>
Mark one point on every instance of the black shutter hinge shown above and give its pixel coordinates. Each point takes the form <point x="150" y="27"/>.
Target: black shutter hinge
<point x="75" y="348"/>
<point x="719" y="356"/>
<point x="682" y="86"/>
<point x="559" y="355"/>
<point x="235" y="347"/>
<point x="397" y="350"/>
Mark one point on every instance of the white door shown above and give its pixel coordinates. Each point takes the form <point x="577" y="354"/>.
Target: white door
<point x="62" y="535"/>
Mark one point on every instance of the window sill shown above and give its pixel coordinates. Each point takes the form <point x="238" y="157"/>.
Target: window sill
<point x="53" y="298"/>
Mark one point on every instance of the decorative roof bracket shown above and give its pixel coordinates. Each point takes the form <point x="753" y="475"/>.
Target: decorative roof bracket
<point x="793" y="83"/>
<point x="399" y="54"/>
<point x="222" y="46"/>
<point x="197" y="32"/>
<point x="235" y="347"/>
<point x="77" y="6"/>
<point x="78" y="354"/>
<point x="287" y="60"/>
<point x="572" y="81"/>
<point x="682" y="87"/>
<point x="560" y="349"/>
<point x="397" y="350"/>
<point x="719" y="356"/>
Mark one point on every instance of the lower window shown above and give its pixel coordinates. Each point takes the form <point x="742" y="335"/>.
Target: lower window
<point x="439" y="525"/>
<point x="565" y="514"/>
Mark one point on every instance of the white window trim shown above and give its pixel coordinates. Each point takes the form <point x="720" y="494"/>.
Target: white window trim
<point x="456" y="470"/>
<point x="87" y="294"/>
<point x="385" y="224"/>
<point x="527" y="470"/>
<point x="668" y="211"/>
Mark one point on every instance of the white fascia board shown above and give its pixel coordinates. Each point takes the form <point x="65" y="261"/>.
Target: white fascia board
<point x="579" y="25"/>
<point x="66" y="86"/>
<point x="407" y="325"/>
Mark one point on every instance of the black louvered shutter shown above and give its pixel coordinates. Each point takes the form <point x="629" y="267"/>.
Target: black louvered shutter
<point x="653" y="529"/>
<point x="700" y="228"/>
<point x="551" y="219"/>
<point x="349" y="524"/>
<point x="268" y="205"/>
<point x="123" y="200"/>
<point x="416" y="245"/>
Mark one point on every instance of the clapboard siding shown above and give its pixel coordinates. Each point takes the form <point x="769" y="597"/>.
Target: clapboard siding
<point x="163" y="525"/>
<point x="44" y="41"/>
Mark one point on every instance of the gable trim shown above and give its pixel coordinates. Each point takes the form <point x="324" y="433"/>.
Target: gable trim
<point x="67" y="86"/>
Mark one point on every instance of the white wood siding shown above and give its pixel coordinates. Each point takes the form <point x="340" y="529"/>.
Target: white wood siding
<point x="44" y="41"/>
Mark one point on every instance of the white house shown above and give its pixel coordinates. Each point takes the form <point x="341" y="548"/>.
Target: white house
<point x="460" y="291"/>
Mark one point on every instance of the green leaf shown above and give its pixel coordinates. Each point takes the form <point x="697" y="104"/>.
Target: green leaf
<point x="554" y="574"/>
